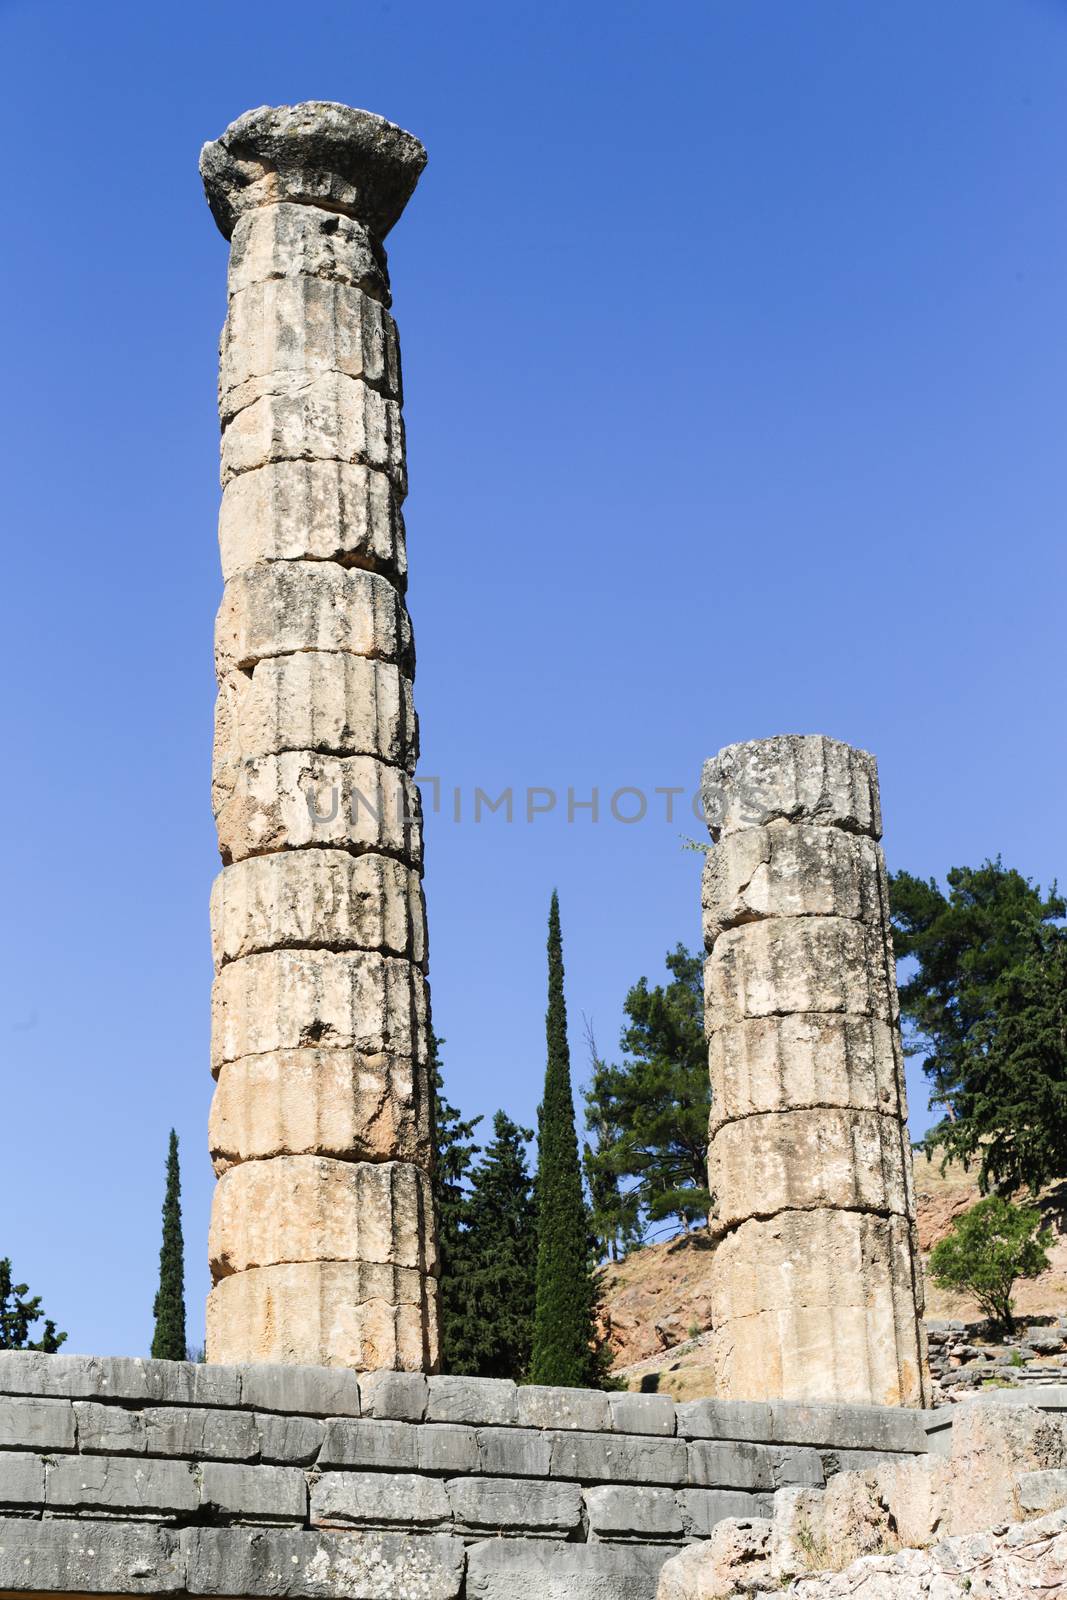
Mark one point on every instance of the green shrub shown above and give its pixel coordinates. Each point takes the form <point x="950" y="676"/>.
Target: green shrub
<point x="989" y="1248"/>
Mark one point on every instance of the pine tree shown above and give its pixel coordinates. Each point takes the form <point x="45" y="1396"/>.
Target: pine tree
<point x="650" y="1114"/>
<point x="564" y="1339"/>
<point x="168" y="1340"/>
<point x="454" y="1152"/>
<point x="500" y="1257"/>
<point x="16" y="1314"/>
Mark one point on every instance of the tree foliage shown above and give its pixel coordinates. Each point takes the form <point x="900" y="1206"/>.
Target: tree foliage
<point x="564" y="1338"/>
<point x="168" y="1338"/>
<point x="650" y="1114"/>
<point x="986" y="1004"/>
<point x="454" y="1152"/>
<point x="18" y="1311"/>
<point x="989" y="1248"/>
<point x="499" y="1259"/>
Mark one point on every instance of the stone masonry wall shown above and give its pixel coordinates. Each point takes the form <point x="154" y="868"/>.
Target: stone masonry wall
<point x="153" y="1477"/>
<point x="817" y="1290"/>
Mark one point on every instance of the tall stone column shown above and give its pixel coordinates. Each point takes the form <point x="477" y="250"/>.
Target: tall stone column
<point x="817" y="1283"/>
<point x="322" y="1235"/>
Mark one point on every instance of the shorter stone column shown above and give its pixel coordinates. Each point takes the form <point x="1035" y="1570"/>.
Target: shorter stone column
<point x="817" y="1289"/>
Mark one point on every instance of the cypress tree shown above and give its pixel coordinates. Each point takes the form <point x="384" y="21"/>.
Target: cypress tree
<point x="500" y="1258"/>
<point x="564" y="1314"/>
<point x="168" y="1340"/>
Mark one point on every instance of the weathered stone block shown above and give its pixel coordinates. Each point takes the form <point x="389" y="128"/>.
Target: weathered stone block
<point x="546" y="1406"/>
<point x="816" y="1306"/>
<point x="254" y="1494"/>
<point x="130" y="1378"/>
<point x="618" y="1458"/>
<point x="786" y="871"/>
<point x="295" y="1440"/>
<point x="750" y="1420"/>
<point x="21" y="1479"/>
<point x="787" y="1063"/>
<point x="515" y="1505"/>
<point x="474" y="1400"/>
<point x="449" y="1447"/>
<point x="341" y="1313"/>
<point x="313" y="511"/>
<point x="402" y="1395"/>
<point x="322" y="1566"/>
<point x="31" y="1424"/>
<point x="292" y="999"/>
<point x="201" y="1433"/>
<point x="317" y="899"/>
<point x="276" y="241"/>
<point x="385" y="1446"/>
<point x="287" y="606"/>
<point x="378" y="1499"/>
<point x="800" y="1160"/>
<point x="312" y="1391"/>
<point x="619" y="1511"/>
<point x="1042" y="1491"/>
<point x="515" y="1452"/>
<point x="313" y="1101"/>
<point x="331" y="418"/>
<point x="109" y="1429"/>
<point x="792" y="778"/>
<point x="718" y="1464"/>
<point x="331" y="702"/>
<point x="301" y="799"/>
<point x="797" y="964"/>
<point x="849" y="1427"/>
<point x="642" y="1413"/>
<point x="89" y="1557"/>
<point x="121" y="1483"/>
<point x="702" y="1508"/>
<point x="312" y="1208"/>
<point x="281" y="332"/>
<point x="515" y="1569"/>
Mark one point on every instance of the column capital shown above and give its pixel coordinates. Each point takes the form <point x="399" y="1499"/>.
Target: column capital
<point x="317" y="153"/>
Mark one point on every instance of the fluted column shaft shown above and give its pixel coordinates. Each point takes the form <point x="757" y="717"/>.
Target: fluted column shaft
<point x="322" y="1238"/>
<point x="817" y="1283"/>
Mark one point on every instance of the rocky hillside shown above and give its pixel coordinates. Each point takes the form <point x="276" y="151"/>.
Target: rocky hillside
<point x="657" y="1308"/>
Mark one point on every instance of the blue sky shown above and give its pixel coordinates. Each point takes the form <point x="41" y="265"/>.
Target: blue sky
<point x="735" y="351"/>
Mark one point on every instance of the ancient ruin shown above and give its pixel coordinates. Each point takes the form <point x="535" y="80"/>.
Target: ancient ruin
<point x="322" y="1235"/>
<point x="818" y="1286"/>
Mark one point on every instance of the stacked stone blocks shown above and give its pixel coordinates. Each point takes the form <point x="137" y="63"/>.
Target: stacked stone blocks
<point x="129" y="1476"/>
<point x="322" y="1236"/>
<point x="817" y="1291"/>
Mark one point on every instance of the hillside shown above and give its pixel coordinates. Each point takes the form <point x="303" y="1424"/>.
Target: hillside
<point x="656" y="1306"/>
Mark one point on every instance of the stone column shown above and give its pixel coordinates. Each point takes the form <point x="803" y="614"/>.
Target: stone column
<point x="817" y="1281"/>
<point x="322" y="1236"/>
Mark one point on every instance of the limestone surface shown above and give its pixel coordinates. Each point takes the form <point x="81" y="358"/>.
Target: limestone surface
<point x="355" y="1314"/>
<point x="326" y="701"/>
<point x="295" y="999"/>
<point x="317" y="899"/>
<point x="313" y="511"/>
<point x="816" y="1287"/>
<point x="818" y="1305"/>
<point x="802" y="1060"/>
<point x="319" y="1101"/>
<point x="792" y="778"/>
<point x="322" y="1235"/>
<point x="315" y="1208"/>
<point x="284" y="607"/>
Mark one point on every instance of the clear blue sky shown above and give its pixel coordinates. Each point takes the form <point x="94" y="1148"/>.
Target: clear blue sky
<point x="735" y="350"/>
